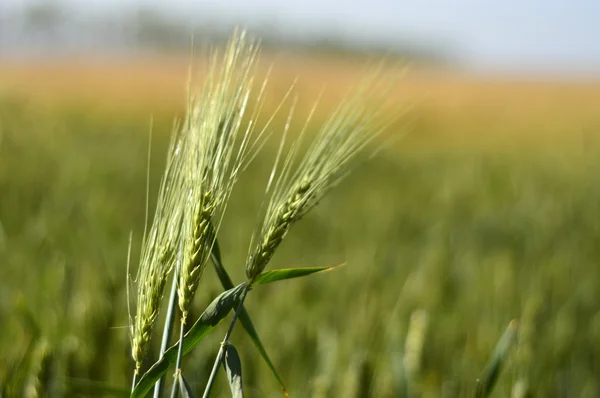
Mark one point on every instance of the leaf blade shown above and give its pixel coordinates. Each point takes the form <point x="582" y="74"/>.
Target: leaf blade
<point x="243" y="316"/>
<point x="184" y="387"/>
<point x="212" y="315"/>
<point x="233" y="367"/>
<point x="289" y="273"/>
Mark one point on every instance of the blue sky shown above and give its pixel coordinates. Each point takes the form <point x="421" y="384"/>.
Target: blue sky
<point x="534" y="35"/>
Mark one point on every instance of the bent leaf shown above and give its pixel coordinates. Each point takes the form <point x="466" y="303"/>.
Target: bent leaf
<point x="243" y="316"/>
<point x="289" y="273"/>
<point x="233" y="366"/>
<point x="212" y="315"/>
<point x="184" y="387"/>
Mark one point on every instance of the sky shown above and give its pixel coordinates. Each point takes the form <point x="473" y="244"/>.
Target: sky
<point x="534" y="35"/>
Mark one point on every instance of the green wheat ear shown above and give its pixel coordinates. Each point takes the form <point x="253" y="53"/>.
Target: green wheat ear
<point x="356" y="122"/>
<point x="158" y="252"/>
<point x="215" y="147"/>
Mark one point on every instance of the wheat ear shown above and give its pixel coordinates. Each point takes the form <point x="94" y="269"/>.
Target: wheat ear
<point x="157" y="256"/>
<point x="213" y="158"/>
<point x="345" y="134"/>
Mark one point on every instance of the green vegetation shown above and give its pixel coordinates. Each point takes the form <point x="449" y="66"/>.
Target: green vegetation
<point x="443" y="248"/>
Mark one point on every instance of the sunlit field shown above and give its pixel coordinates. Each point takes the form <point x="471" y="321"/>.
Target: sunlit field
<point x="486" y="210"/>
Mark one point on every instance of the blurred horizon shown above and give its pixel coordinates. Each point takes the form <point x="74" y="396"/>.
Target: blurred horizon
<point x="534" y="39"/>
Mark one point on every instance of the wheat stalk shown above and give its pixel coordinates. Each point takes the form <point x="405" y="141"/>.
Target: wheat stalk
<point x="198" y="179"/>
<point x="212" y="164"/>
<point x="346" y="133"/>
<point x="215" y="150"/>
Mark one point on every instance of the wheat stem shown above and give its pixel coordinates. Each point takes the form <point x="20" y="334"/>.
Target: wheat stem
<point x="134" y="380"/>
<point x="179" y="357"/>
<point x="219" y="358"/>
<point x="167" y="331"/>
<point x="175" y="388"/>
<point x="180" y="349"/>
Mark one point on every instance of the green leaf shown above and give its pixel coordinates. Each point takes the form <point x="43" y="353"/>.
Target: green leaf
<point x="485" y="384"/>
<point x="233" y="366"/>
<point x="243" y="316"/>
<point x="289" y="273"/>
<point x="212" y="315"/>
<point x="184" y="387"/>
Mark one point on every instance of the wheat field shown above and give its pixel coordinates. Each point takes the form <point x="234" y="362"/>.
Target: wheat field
<point x="487" y="210"/>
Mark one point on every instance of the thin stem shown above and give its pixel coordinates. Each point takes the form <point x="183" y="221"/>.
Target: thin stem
<point x="219" y="359"/>
<point x="167" y="331"/>
<point x="179" y="359"/>
<point x="134" y="380"/>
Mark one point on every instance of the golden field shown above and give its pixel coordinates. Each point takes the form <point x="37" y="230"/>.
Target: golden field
<point x="453" y="107"/>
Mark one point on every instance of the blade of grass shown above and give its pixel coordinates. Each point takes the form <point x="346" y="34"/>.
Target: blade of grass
<point x="244" y="316"/>
<point x="289" y="273"/>
<point x="214" y="313"/>
<point x="485" y="384"/>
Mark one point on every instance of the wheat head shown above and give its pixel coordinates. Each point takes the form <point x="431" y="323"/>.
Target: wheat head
<point x="346" y="133"/>
<point x="158" y="252"/>
<point x="215" y="149"/>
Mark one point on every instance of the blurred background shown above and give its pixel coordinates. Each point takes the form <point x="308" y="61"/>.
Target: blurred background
<point x="487" y="209"/>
